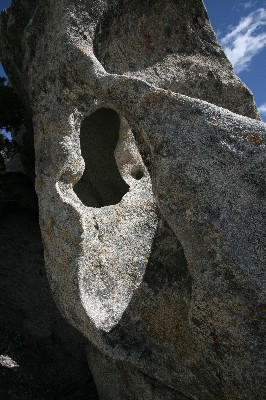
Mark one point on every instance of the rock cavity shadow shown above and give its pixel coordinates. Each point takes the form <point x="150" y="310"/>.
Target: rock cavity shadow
<point x="101" y="183"/>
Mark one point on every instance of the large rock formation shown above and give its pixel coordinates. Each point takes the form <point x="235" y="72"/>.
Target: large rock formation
<point x="152" y="203"/>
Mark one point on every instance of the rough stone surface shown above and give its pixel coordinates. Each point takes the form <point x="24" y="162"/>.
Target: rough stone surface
<point x="152" y="203"/>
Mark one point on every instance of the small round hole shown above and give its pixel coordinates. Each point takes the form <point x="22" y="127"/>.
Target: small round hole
<point x="137" y="174"/>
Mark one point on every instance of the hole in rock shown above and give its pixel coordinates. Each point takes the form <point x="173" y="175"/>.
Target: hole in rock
<point x="137" y="173"/>
<point x="101" y="183"/>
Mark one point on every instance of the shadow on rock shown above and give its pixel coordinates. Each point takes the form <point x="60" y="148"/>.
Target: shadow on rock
<point x="41" y="356"/>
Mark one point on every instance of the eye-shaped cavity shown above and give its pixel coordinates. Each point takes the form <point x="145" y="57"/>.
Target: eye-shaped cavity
<point x="118" y="239"/>
<point x="101" y="183"/>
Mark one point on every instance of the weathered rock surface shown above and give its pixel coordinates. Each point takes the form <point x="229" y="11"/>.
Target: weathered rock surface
<point x="152" y="203"/>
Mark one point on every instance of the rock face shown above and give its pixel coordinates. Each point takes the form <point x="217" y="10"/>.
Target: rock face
<point x="152" y="203"/>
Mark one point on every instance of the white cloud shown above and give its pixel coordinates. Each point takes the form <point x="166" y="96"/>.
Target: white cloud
<point x="262" y="109"/>
<point x="248" y="4"/>
<point x="245" y="40"/>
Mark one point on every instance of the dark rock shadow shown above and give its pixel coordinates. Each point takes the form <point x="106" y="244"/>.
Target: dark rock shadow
<point x="101" y="183"/>
<point x="128" y="40"/>
<point x="41" y="356"/>
<point x="156" y="320"/>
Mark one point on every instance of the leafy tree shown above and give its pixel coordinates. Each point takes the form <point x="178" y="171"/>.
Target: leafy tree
<point x="11" y="110"/>
<point x="11" y="115"/>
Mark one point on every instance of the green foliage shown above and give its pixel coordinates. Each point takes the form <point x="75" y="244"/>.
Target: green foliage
<point x="7" y="147"/>
<point x="11" y="115"/>
<point x="11" y="110"/>
<point x="7" y="150"/>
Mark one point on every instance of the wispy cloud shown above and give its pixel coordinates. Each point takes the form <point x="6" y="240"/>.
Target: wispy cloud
<point x="248" y="4"/>
<point x="262" y="109"/>
<point x="245" y="40"/>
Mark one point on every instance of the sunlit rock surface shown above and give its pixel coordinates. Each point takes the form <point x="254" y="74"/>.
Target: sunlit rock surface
<point x="151" y="195"/>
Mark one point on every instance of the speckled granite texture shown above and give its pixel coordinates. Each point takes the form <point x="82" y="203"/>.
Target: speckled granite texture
<point x="150" y="173"/>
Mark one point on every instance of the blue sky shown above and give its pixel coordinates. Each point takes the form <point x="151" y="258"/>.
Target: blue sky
<point x="240" y="26"/>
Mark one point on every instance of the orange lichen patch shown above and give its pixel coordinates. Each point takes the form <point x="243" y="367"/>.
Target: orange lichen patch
<point x="253" y="137"/>
<point x="155" y="97"/>
<point x="148" y="41"/>
<point x="168" y="323"/>
<point x="215" y="338"/>
<point x="159" y="9"/>
<point x="213" y="238"/>
<point x="261" y="314"/>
